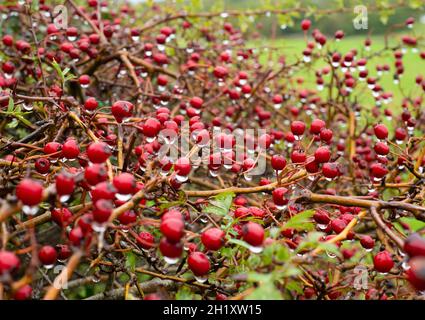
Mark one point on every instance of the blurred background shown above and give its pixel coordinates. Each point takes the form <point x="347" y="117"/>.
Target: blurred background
<point x="377" y="21"/>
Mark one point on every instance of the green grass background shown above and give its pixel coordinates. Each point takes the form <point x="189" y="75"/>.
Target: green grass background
<point x="292" y="46"/>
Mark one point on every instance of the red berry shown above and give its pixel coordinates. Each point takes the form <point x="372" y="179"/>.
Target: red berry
<point x="383" y="261"/>
<point x="145" y="240"/>
<point x="172" y="229"/>
<point x="125" y="183"/>
<point x="213" y="238"/>
<point x="23" y="293"/>
<point x="381" y="148"/>
<point x="220" y="72"/>
<point x="76" y="236"/>
<point x="9" y="262"/>
<point x="311" y="165"/>
<point x="196" y="102"/>
<point x="95" y="174"/>
<point x="316" y="126"/>
<point x="414" y="245"/>
<point x="182" y="166"/>
<point x="338" y="225"/>
<point x="152" y="296"/>
<point x="326" y="134"/>
<point x="400" y="134"/>
<point x="381" y="131"/>
<point x="330" y="170"/>
<point x="416" y="273"/>
<point x="7" y="40"/>
<point x="242" y="212"/>
<point x="84" y="80"/>
<point x="30" y="192"/>
<point x="128" y="217"/>
<point x="70" y="149"/>
<point x="98" y="152"/>
<point x="102" y="210"/>
<point x="367" y="242"/>
<point x="122" y="110"/>
<point x="53" y="147"/>
<point x="199" y="263"/>
<point x="298" y="128"/>
<point x="298" y="156"/>
<point x="42" y="165"/>
<point x="321" y="217"/>
<point x="8" y="67"/>
<point x="278" y="162"/>
<point x="151" y="127"/>
<point x="91" y="104"/>
<point x="170" y="249"/>
<point x="378" y="170"/>
<point x="65" y="183"/>
<point x="322" y="155"/>
<point x="172" y="214"/>
<point x="253" y="233"/>
<point x="279" y="196"/>
<point x="339" y="34"/>
<point x="64" y="251"/>
<point x="305" y="24"/>
<point x="61" y="216"/>
<point x="47" y="255"/>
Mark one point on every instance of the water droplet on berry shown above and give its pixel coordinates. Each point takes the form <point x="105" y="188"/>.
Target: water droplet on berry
<point x="28" y="107"/>
<point x="331" y="255"/>
<point x="201" y="279"/>
<point x="171" y="260"/>
<point x="123" y="197"/>
<point x="255" y="249"/>
<point x="181" y="178"/>
<point x="213" y="173"/>
<point x="281" y="207"/>
<point x="99" y="227"/>
<point x="322" y="226"/>
<point x="30" y="210"/>
<point x="64" y="198"/>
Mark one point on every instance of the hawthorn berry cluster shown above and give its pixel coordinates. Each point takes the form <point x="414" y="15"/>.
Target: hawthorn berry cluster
<point x="265" y="181"/>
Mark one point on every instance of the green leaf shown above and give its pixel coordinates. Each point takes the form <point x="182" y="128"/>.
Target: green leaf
<point x="185" y="293"/>
<point x="13" y="124"/>
<point x="11" y="105"/>
<point x="301" y="221"/>
<point x="282" y="253"/>
<point x="150" y="203"/>
<point x="266" y="289"/>
<point x="131" y="260"/>
<point x="23" y="120"/>
<point x="413" y="223"/>
<point x="239" y="243"/>
<point x="330" y="248"/>
<point x="416" y="4"/>
<point x="311" y="241"/>
<point x="258" y="277"/>
<point x="220" y="204"/>
<point x="294" y="286"/>
<point x="62" y="73"/>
